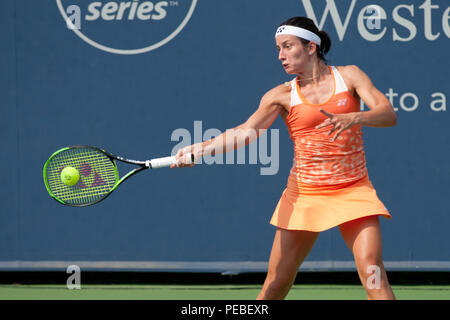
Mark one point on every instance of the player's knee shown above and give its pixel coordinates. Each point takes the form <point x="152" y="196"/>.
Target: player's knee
<point x="369" y="266"/>
<point x="276" y="285"/>
<point x="369" y="260"/>
<point x="371" y="271"/>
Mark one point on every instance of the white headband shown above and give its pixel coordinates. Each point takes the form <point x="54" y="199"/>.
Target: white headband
<point x="298" y="32"/>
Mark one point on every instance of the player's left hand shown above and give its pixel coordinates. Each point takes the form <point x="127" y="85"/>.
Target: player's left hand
<point x="340" y="122"/>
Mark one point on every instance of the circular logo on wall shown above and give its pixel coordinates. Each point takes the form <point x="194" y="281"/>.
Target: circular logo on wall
<point x="126" y="27"/>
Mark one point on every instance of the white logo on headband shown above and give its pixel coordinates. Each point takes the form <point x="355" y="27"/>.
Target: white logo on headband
<point x="298" y="32"/>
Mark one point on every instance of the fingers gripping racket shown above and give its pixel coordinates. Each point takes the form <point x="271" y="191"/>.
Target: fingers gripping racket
<point x="83" y="175"/>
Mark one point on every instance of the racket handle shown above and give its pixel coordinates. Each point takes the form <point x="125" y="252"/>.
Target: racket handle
<point x="164" y="162"/>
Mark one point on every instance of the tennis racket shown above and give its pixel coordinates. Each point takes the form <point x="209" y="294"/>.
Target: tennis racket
<point x="95" y="173"/>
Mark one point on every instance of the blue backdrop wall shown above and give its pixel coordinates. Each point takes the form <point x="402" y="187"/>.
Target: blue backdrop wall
<point x="126" y="75"/>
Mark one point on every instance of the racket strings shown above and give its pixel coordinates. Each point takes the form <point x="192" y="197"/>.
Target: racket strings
<point x="98" y="175"/>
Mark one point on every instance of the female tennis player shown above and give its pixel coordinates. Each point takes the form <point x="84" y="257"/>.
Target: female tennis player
<point x="328" y="185"/>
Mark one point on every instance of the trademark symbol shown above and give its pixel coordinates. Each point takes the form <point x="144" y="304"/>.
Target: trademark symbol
<point x="173" y="3"/>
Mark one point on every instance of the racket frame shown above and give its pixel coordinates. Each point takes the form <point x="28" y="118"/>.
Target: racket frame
<point x="143" y="165"/>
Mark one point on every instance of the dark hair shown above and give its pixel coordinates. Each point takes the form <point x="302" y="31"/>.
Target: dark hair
<point x="308" y="24"/>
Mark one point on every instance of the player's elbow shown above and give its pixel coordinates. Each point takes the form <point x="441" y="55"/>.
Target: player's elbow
<point x="387" y="116"/>
<point x="392" y="118"/>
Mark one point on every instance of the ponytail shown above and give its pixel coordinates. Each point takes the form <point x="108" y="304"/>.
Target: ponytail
<point x="325" y="45"/>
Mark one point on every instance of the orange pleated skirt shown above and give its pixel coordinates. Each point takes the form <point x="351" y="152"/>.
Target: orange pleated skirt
<point x="319" y="208"/>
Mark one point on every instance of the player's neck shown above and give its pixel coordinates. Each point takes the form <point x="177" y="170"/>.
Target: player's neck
<point x="313" y="75"/>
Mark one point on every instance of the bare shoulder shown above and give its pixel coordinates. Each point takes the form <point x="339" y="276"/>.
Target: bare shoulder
<point x="362" y="86"/>
<point x="278" y="93"/>
<point x="352" y="75"/>
<point x="278" y="96"/>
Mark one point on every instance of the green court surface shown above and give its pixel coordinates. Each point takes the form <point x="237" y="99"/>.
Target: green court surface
<point x="208" y="292"/>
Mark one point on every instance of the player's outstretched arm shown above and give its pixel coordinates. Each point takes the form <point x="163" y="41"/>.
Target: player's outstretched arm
<point x="270" y="106"/>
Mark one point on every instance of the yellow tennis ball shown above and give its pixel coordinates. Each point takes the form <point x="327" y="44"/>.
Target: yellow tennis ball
<point x="70" y="176"/>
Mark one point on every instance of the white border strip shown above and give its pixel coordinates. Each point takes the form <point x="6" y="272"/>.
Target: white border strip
<point x="213" y="266"/>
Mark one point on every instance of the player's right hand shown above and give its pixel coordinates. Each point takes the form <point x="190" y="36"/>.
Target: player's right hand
<point x="184" y="156"/>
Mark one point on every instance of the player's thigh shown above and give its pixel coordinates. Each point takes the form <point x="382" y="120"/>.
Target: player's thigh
<point x="363" y="237"/>
<point x="289" y="249"/>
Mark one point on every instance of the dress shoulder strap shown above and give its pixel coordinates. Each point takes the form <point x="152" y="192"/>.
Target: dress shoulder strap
<point x="340" y="83"/>
<point x="295" y="98"/>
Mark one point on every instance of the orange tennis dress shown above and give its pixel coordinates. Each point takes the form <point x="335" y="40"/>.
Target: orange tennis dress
<point x="328" y="184"/>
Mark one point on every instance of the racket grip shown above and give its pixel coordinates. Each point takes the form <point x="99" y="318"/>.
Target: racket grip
<point x="161" y="162"/>
<point x="164" y="162"/>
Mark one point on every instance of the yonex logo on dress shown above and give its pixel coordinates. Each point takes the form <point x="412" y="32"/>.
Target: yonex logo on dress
<point x="127" y="27"/>
<point x="342" y="102"/>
